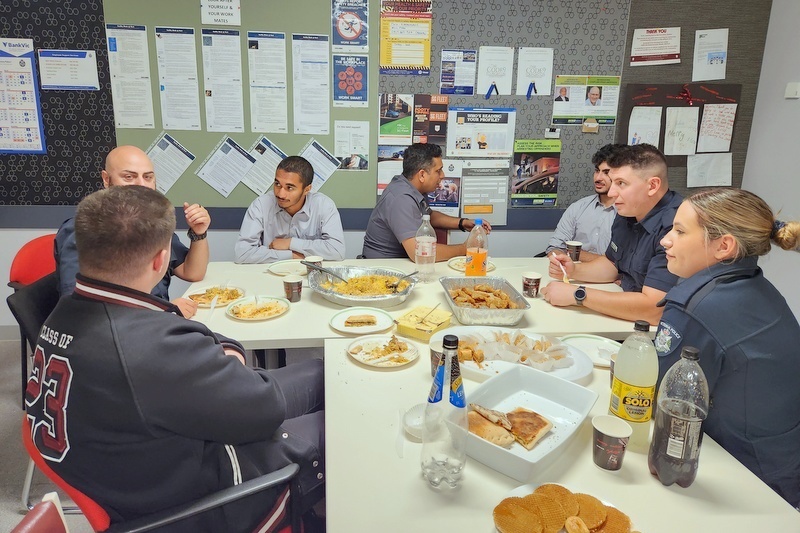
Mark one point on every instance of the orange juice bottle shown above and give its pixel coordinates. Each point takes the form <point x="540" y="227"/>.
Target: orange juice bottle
<point x="477" y="250"/>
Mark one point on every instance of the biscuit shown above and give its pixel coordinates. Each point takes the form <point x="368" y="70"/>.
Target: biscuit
<point x="573" y="524"/>
<point x="549" y="510"/>
<point x="616" y="522"/>
<point x="510" y="516"/>
<point x="591" y="510"/>
<point x="562" y="495"/>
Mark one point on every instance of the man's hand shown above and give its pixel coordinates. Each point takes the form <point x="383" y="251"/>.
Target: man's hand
<point x="469" y="224"/>
<point x="197" y="217"/>
<point x="559" y="293"/>
<point x="557" y="259"/>
<point x="281" y="244"/>
<point x="188" y="307"/>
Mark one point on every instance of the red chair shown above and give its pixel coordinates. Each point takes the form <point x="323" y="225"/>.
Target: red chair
<point x="100" y="521"/>
<point x="33" y="261"/>
<point x="45" y="517"/>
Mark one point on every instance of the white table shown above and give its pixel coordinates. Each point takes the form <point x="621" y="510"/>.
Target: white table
<point x="371" y="488"/>
<point x="307" y="322"/>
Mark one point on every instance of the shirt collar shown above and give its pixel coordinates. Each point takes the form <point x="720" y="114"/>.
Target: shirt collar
<point x="104" y="291"/>
<point x="687" y="287"/>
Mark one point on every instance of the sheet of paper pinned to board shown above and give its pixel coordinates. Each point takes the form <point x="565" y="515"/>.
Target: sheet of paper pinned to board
<point x="716" y="128"/>
<point x="680" y="137"/>
<point x="709" y="170"/>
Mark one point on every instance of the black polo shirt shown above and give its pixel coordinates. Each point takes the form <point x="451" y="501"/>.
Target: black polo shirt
<point x="635" y="248"/>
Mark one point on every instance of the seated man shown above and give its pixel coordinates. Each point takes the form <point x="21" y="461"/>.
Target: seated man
<point x="393" y="224"/>
<point x="645" y="209"/>
<point x="589" y="219"/>
<point x="128" y="165"/>
<point x="292" y="222"/>
<point x="143" y="410"/>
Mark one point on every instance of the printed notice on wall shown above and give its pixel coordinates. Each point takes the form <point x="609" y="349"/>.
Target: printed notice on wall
<point x="21" y="128"/>
<point x="266" y="58"/>
<point x="262" y="174"/>
<point x="170" y="160"/>
<point x="477" y="132"/>
<point x="69" y="70"/>
<point x="312" y="84"/>
<point x="656" y="46"/>
<point x="710" y="55"/>
<point x="222" y="80"/>
<point x="129" y="64"/>
<point x="178" y="84"/>
<point x="226" y="165"/>
<point x="221" y="12"/>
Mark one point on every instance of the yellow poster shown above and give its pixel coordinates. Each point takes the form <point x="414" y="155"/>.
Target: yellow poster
<point x="406" y="37"/>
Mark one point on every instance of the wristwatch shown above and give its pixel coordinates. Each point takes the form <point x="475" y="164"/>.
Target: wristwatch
<point x="194" y="237"/>
<point x="580" y="294"/>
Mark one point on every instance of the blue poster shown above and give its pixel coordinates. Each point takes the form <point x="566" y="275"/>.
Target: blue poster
<point x="21" y="127"/>
<point x="349" y="19"/>
<point x="350" y="81"/>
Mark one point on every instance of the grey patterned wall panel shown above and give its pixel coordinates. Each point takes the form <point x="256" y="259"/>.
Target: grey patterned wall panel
<point x="588" y="37"/>
<point x="79" y="125"/>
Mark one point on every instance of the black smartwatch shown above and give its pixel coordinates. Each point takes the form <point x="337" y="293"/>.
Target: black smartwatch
<point x="461" y="224"/>
<point x="194" y="237"/>
<point x="580" y="294"/>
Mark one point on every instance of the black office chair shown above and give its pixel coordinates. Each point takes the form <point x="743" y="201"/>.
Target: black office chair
<point x="31" y="305"/>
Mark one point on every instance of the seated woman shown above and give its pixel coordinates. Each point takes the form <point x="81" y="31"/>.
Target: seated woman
<point x="745" y="331"/>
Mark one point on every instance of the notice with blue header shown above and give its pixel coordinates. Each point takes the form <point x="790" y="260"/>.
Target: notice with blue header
<point x="21" y="128"/>
<point x="69" y="70"/>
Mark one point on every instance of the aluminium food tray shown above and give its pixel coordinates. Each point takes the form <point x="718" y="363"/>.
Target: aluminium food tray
<point x="484" y="316"/>
<point x="316" y="279"/>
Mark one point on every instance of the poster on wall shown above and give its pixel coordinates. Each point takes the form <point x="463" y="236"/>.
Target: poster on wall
<point x="21" y="128"/>
<point x="266" y="61"/>
<point x="129" y="66"/>
<point x="586" y="97"/>
<point x="480" y="132"/>
<point x="534" y="174"/>
<point x="178" y="86"/>
<point x="458" y="72"/>
<point x="350" y="28"/>
<point x="430" y="119"/>
<point x="221" y="12"/>
<point x="350" y="81"/>
<point x="405" y="47"/>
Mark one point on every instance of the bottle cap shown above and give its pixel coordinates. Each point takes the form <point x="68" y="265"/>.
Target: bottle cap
<point x="478" y="221"/>
<point x="450" y="341"/>
<point x="426" y="217"/>
<point x="691" y="353"/>
<point x="641" y="325"/>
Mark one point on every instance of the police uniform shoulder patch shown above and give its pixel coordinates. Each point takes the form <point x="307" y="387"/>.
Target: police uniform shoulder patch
<point x="667" y="338"/>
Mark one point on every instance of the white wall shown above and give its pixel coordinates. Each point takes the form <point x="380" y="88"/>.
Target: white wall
<point x="501" y="244"/>
<point x="772" y="170"/>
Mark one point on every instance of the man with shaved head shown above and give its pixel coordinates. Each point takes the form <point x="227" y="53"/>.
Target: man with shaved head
<point x="129" y="165"/>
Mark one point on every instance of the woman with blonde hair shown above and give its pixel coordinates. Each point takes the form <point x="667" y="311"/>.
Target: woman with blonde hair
<point x="745" y="331"/>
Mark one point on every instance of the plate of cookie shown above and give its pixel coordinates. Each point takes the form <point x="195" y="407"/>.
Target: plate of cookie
<point x="361" y="320"/>
<point x="382" y="351"/>
<point x="554" y="508"/>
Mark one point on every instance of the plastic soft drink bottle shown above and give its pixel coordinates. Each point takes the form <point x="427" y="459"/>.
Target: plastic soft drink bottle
<point x="425" y="249"/>
<point x="634" y="384"/>
<point x="477" y="250"/>
<point x="445" y="427"/>
<point x="681" y="408"/>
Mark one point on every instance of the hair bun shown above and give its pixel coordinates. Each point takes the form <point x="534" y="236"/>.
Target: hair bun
<point x="777" y="225"/>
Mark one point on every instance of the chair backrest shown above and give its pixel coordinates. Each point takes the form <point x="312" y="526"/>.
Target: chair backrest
<point x="32" y="304"/>
<point x="45" y="517"/>
<point x="33" y="261"/>
<point x="97" y="516"/>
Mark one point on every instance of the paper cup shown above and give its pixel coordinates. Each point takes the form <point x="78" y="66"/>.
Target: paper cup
<point x="292" y="287"/>
<point x="530" y="284"/>
<point x="314" y="259"/>
<point x="574" y="250"/>
<point x="611" y="436"/>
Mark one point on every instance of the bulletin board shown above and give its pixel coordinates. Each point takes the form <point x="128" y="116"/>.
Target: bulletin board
<point x="747" y="22"/>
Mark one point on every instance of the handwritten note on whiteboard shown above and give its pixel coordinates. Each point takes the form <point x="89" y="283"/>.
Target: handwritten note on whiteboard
<point x="680" y="136"/>
<point x="716" y="128"/>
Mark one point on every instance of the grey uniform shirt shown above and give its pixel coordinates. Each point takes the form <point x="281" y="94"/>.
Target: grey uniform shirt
<point x="587" y="221"/>
<point x="316" y="229"/>
<point x="396" y="217"/>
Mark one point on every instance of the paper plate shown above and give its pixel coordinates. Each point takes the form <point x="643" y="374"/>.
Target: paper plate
<point x="460" y="263"/>
<point x="599" y="349"/>
<point x="220" y="301"/>
<point x="282" y="306"/>
<point x="383" y="320"/>
<point x="288" y="267"/>
<point x="361" y="348"/>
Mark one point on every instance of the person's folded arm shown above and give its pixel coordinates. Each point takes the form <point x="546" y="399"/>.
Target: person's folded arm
<point x="625" y="305"/>
<point x="252" y="245"/>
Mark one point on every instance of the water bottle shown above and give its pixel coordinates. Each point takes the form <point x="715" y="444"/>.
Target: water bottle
<point x="425" y="250"/>
<point x="634" y="383"/>
<point x="477" y="250"/>
<point x="680" y="410"/>
<point x="445" y="427"/>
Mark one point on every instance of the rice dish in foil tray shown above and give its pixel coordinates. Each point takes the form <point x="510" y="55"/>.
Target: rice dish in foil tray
<point x="330" y="288"/>
<point x="473" y="308"/>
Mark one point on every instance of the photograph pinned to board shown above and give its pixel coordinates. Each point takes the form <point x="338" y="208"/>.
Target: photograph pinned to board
<point x="583" y="97"/>
<point x="534" y="173"/>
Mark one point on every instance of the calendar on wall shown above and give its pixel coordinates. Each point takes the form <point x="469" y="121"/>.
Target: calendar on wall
<point x="21" y="129"/>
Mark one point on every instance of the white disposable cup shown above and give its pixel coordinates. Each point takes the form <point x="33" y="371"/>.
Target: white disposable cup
<point x="530" y="284"/>
<point x="314" y="259"/>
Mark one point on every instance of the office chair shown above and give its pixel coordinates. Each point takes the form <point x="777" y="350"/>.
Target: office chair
<point x="45" y="517"/>
<point x="32" y="262"/>
<point x="100" y="521"/>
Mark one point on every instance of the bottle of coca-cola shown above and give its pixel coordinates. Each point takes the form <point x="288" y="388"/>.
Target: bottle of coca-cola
<point x="681" y="407"/>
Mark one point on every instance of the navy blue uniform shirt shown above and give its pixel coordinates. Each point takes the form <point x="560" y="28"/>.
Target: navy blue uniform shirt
<point x="635" y="248"/>
<point x="747" y="337"/>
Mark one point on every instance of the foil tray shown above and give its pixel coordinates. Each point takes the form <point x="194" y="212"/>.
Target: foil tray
<point x="316" y="279"/>
<point x="484" y="316"/>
